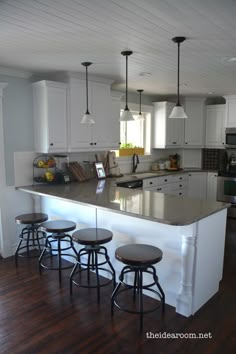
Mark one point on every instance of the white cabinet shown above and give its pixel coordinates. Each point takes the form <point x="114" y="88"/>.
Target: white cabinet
<point x="168" y="133"/>
<point x="230" y="111"/>
<point x="105" y="133"/>
<point x="50" y="116"/>
<point x="197" y="185"/>
<point x="212" y="186"/>
<point x="170" y="184"/>
<point x="194" y="124"/>
<point x="215" y="126"/>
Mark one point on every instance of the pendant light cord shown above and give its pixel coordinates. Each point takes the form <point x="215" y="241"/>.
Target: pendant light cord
<point x="126" y="90"/>
<point x="178" y="104"/>
<point x="87" y="111"/>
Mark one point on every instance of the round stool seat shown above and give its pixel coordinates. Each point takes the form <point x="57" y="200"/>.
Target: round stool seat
<point x="92" y="236"/>
<point x="32" y="218"/>
<point x="58" y="226"/>
<point x="138" y="254"/>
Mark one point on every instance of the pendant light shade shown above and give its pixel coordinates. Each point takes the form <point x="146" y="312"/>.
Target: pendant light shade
<point x="140" y="115"/>
<point x="126" y="114"/>
<point x="87" y="119"/>
<point x="178" y="111"/>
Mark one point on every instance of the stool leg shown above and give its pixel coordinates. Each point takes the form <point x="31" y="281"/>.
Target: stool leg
<point x="121" y="278"/>
<point x="71" y="276"/>
<point x="155" y="277"/>
<point x="88" y="266"/>
<point x="16" y="253"/>
<point x="42" y="254"/>
<point x="97" y="275"/>
<point x="110" y="265"/>
<point x="59" y="258"/>
<point x="140" y="289"/>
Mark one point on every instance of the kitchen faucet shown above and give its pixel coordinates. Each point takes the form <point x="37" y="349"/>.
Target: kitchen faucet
<point x="135" y="162"/>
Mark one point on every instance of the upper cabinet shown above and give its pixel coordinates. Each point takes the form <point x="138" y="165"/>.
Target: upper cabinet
<point x="168" y="132"/>
<point x="194" y="124"/>
<point x="215" y="126"/>
<point x="50" y="116"/>
<point x="230" y="111"/>
<point x="105" y="110"/>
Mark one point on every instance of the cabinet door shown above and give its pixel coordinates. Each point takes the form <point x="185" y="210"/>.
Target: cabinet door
<point x="80" y="135"/>
<point x="194" y="124"/>
<point x="215" y="126"/>
<point x="174" y="132"/>
<point x="197" y="185"/>
<point x="106" y="131"/>
<point x="57" y="119"/>
<point x="230" y="116"/>
<point x="50" y="118"/>
<point x="212" y="186"/>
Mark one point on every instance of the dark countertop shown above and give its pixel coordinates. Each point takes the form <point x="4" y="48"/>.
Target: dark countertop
<point x="153" y="206"/>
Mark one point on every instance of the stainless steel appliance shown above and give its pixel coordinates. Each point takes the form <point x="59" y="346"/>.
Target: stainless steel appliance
<point x="230" y="137"/>
<point x="131" y="184"/>
<point x="226" y="190"/>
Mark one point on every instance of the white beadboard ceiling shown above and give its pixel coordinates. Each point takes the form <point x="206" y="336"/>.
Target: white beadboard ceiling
<point x="41" y="36"/>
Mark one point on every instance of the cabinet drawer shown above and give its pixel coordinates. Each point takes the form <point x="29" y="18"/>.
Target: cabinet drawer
<point x="179" y="185"/>
<point x="180" y="177"/>
<point x="156" y="181"/>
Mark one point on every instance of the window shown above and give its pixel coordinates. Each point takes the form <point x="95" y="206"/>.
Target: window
<point x="136" y="133"/>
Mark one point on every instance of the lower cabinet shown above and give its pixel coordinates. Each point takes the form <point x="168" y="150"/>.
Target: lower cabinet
<point x="197" y="186"/>
<point x="212" y="186"/>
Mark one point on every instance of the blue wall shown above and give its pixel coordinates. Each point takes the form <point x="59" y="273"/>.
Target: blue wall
<point x="17" y="120"/>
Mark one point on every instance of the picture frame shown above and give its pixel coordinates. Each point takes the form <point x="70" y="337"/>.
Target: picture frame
<point x="100" y="171"/>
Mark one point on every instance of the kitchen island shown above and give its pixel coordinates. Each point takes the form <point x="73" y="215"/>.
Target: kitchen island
<point x="190" y="232"/>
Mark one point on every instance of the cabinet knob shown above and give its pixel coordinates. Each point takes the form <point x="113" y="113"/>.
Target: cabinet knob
<point x="223" y="143"/>
<point x="180" y="185"/>
<point x="150" y="182"/>
<point x="190" y="174"/>
<point x="180" y="193"/>
<point x="186" y="142"/>
<point x="181" y="178"/>
<point x="119" y="143"/>
<point x="91" y="143"/>
<point x="94" y="143"/>
<point x="174" y="142"/>
<point x="51" y="144"/>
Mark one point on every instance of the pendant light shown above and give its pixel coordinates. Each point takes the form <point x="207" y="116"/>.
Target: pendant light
<point x="126" y="114"/>
<point x="87" y="119"/>
<point x="178" y="111"/>
<point x="140" y="115"/>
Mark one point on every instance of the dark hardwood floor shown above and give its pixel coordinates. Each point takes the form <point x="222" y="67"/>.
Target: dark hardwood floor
<point x="37" y="316"/>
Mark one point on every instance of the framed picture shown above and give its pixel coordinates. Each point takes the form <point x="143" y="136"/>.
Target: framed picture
<point x="100" y="170"/>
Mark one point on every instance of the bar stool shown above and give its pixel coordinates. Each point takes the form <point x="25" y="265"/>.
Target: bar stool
<point x="92" y="239"/>
<point x="30" y="235"/>
<point x="58" y="230"/>
<point x="139" y="259"/>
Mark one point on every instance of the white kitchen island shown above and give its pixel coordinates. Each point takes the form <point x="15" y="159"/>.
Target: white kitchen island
<point x="190" y="232"/>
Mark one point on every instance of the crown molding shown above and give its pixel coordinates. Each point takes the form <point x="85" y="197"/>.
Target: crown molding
<point x="15" y="73"/>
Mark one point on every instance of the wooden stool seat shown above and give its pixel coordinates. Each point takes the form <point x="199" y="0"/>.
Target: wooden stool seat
<point x="56" y="244"/>
<point x="139" y="260"/>
<point x="58" y="226"/>
<point x="30" y="237"/>
<point x="138" y="254"/>
<point x="92" y="236"/>
<point x="32" y="218"/>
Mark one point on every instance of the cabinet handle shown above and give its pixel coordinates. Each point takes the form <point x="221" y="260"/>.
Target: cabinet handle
<point x="91" y="143"/>
<point x="180" y="193"/>
<point x="190" y="174"/>
<point x="165" y="180"/>
<point x="180" y="185"/>
<point x="223" y="143"/>
<point x="51" y="144"/>
<point x="150" y="182"/>
<point x="174" y="142"/>
<point x="181" y="178"/>
<point x="119" y="143"/>
<point x="94" y="143"/>
<point x="186" y="142"/>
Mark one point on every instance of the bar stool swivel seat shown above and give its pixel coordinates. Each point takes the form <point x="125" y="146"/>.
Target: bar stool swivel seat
<point x="31" y="235"/>
<point x="92" y="258"/>
<point x="56" y="246"/>
<point x="139" y="260"/>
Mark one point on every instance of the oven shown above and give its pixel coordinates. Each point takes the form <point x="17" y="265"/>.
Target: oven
<point x="226" y="191"/>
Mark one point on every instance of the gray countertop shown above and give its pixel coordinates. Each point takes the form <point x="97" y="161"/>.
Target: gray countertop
<point x="154" y="206"/>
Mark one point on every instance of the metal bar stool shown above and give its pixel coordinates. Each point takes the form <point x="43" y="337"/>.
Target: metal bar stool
<point x="30" y="236"/>
<point x="139" y="259"/>
<point x="92" y="239"/>
<point x="58" y="230"/>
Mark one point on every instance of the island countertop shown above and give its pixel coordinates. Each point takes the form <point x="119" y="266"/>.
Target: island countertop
<point x="153" y="206"/>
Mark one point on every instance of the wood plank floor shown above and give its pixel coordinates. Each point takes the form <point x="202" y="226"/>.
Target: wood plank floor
<point x="37" y="316"/>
